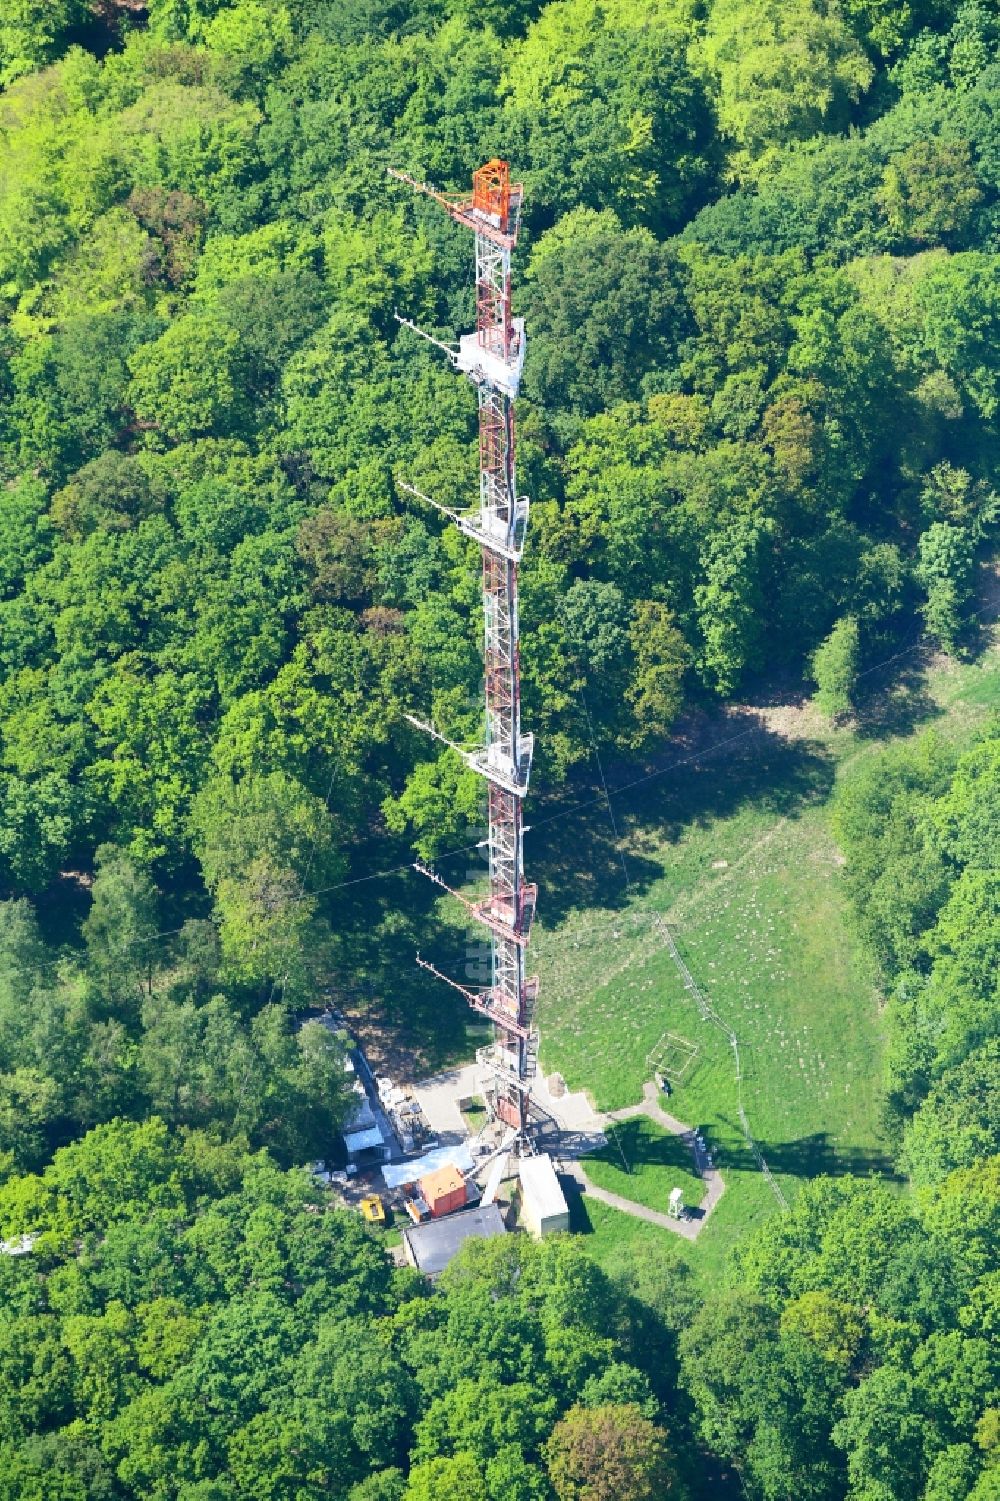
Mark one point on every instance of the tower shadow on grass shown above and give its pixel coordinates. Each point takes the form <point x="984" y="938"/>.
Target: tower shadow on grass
<point x="813" y="1156"/>
<point x="639" y="1143"/>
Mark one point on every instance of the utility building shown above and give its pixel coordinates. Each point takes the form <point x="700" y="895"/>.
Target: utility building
<point x="543" y="1204"/>
<point x="403" y="1175"/>
<point x="364" y="1136"/>
<point x="430" y="1247"/>
<point x="444" y="1191"/>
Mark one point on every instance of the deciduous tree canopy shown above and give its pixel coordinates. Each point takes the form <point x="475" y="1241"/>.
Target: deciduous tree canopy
<point x="759" y="425"/>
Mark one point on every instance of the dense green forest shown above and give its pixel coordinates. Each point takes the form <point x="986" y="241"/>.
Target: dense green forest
<point x="760" y="265"/>
<point x="189" y="1326"/>
<point x="856" y="1351"/>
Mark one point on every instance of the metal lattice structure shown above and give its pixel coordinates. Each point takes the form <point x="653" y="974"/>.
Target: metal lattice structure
<point x="493" y="357"/>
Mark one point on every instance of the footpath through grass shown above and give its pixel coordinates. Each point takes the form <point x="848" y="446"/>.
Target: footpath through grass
<point x="642" y="1161"/>
<point x="734" y="851"/>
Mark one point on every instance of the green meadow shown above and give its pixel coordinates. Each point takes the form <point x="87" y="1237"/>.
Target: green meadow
<point x="732" y="850"/>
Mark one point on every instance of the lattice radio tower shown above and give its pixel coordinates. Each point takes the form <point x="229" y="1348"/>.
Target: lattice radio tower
<point x="493" y="358"/>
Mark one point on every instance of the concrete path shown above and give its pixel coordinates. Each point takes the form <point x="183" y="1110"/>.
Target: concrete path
<point x="690" y="1227"/>
<point x="651" y="1106"/>
<point x="571" y="1109"/>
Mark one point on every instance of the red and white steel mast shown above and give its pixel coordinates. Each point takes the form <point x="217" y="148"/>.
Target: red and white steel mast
<point x="493" y="358"/>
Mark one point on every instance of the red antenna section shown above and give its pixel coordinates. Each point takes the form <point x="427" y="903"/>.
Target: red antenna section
<point x="491" y="193"/>
<point x="492" y="357"/>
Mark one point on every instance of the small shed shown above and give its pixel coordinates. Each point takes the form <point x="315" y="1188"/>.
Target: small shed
<point x="430" y="1247"/>
<point x="543" y="1203"/>
<point x="444" y="1191"/>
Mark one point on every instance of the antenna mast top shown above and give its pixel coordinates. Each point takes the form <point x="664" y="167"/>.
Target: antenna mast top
<point x="491" y="193"/>
<point x="493" y="210"/>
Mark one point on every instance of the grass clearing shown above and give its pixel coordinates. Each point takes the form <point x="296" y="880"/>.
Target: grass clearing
<point x="735" y="853"/>
<point x="642" y="1161"/>
<point x="731" y="846"/>
<point x="643" y="1255"/>
<point x="474" y="1114"/>
<point x="389" y="1237"/>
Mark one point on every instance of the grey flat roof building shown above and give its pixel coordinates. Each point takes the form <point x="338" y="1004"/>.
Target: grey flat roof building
<point x="430" y="1247"/>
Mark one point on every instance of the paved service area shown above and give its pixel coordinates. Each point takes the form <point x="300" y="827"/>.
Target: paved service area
<point x="439" y="1097"/>
<point x="581" y="1129"/>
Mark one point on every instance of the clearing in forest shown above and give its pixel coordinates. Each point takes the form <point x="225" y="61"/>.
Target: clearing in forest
<point x="733" y="851"/>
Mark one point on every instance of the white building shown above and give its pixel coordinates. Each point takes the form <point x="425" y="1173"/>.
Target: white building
<point x="364" y="1139"/>
<point x="543" y="1203"/>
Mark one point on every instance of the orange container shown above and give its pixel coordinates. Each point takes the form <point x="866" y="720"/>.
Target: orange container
<point x="444" y="1191"/>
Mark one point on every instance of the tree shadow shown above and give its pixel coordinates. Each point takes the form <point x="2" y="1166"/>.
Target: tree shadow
<point x="720" y="765"/>
<point x="980" y="631"/>
<point x="62" y="908"/>
<point x="414" y="1025"/>
<point x="896" y="701"/>
<point x="410" y="1022"/>
<point x="575" y="857"/>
